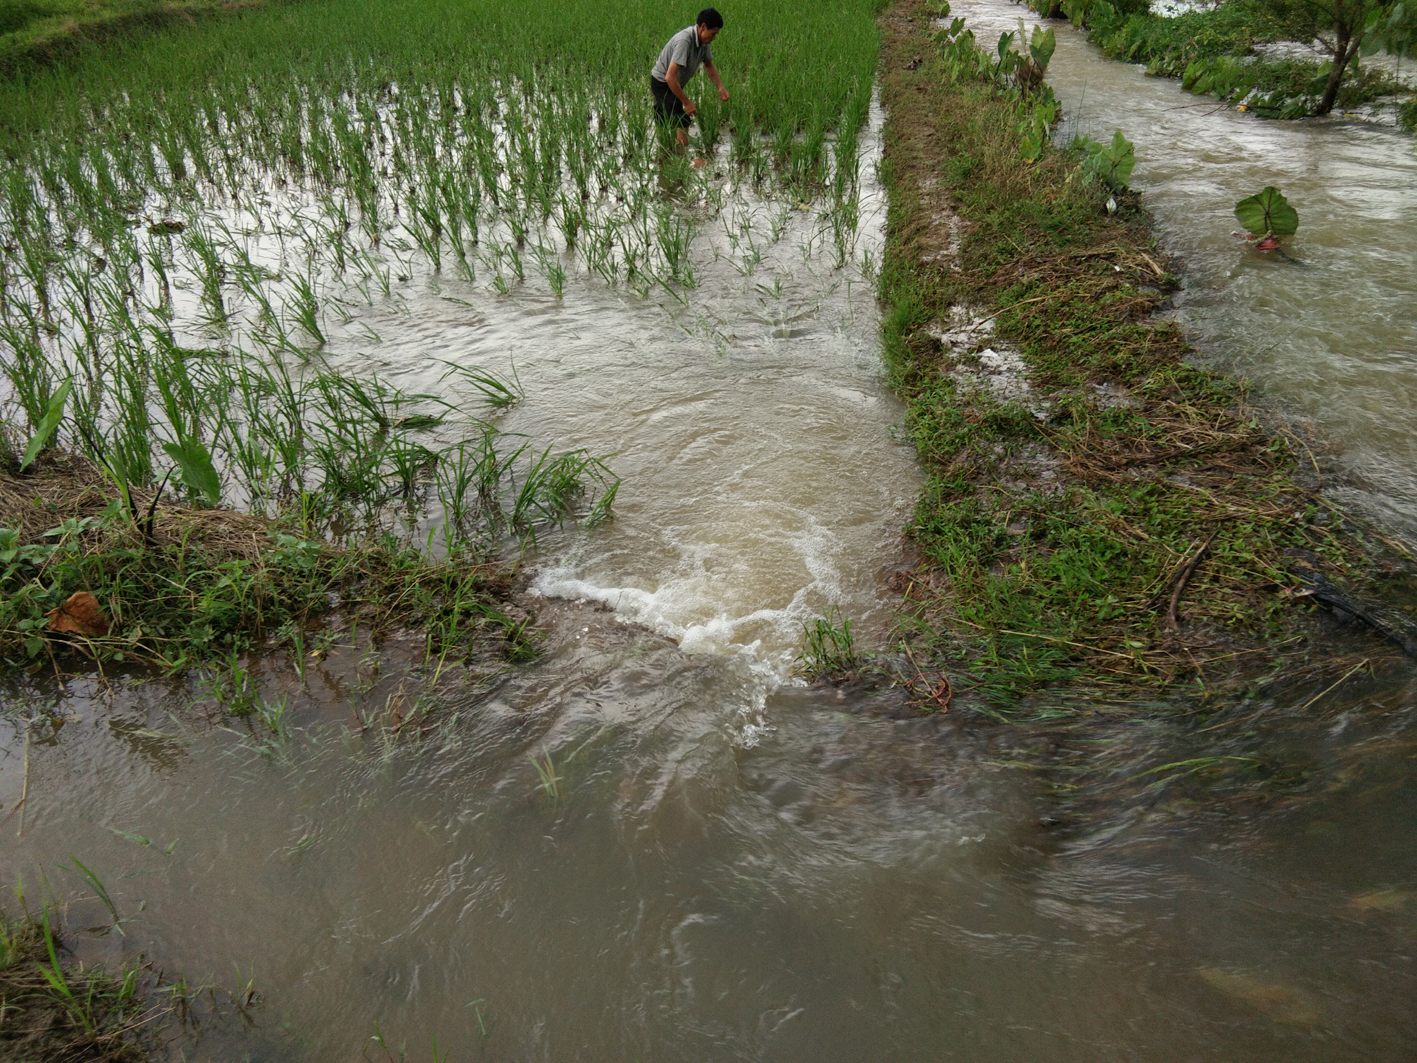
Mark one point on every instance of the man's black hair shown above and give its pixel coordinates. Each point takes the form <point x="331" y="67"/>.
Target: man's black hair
<point x="711" y="18"/>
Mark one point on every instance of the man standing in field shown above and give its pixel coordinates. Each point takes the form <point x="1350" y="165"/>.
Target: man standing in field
<point x="679" y="61"/>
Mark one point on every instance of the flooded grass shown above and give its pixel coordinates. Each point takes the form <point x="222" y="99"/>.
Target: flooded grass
<point x="54" y="1008"/>
<point x="58" y="1007"/>
<point x="1220" y="51"/>
<point x="1110" y="512"/>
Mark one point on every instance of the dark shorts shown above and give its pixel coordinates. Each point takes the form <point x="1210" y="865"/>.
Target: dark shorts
<point x="667" y="107"/>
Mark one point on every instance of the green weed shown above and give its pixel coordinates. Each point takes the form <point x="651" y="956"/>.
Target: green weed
<point x="54" y="1009"/>
<point x="829" y="648"/>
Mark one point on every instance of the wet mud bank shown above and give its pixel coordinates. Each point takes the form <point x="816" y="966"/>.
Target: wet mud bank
<point x="1099" y="508"/>
<point x="162" y="586"/>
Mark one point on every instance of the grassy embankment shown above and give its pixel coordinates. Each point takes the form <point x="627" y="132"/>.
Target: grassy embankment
<point x="38" y="32"/>
<point x="1216" y="51"/>
<point x="1116" y="513"/>
<point x="193" y="223"/>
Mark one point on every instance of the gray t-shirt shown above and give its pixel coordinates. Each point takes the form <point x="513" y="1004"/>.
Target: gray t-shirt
<point x="685" y="49"/>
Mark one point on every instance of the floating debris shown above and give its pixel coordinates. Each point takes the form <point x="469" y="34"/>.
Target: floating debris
<point x="1276" y="1001"/>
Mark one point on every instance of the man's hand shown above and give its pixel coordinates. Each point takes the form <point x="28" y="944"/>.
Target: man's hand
<point x="689" y="107"/>
<point x="712" y="72"/>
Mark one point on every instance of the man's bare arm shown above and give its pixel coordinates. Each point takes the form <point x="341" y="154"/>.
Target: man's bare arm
<point x="712" y="72"/>
<point x="671" y="78"/>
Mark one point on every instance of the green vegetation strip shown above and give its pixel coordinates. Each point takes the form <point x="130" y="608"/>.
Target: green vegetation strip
<point x="79" y="576"/>
<point x="1110" y="512"/>
<point x="1219" y="50"/>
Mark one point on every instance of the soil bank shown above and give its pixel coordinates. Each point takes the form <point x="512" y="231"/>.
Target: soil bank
<point x="1098" y="509"/>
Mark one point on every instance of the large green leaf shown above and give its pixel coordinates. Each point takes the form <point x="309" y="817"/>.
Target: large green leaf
<point x="48" y="423"/>
<point x="1268" y="214"/>
<point x="198" y="472"/>
<point x="1121" y="158"/>
<point x="1042" y="45"/>
<point x="1110" y="164"/>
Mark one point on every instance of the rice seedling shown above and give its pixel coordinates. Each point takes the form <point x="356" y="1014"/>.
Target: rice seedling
<point x="550" y="487"/>
<point x="495" y="391"/>
<point x="307" y="309"/>
<point x="552" y="270"/>
<point x="549" y="776"/>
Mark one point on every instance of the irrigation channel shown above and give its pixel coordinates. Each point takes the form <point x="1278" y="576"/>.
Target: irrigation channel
<point x="650" y="844"/>
<point x="1332" y="338"/>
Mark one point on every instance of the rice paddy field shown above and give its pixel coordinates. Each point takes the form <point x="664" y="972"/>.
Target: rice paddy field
<point x="412" y="292"/>
<point x="185" y="219"/>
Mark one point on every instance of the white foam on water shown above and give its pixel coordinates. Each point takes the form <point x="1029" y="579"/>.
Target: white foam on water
<point x="761" y="480"/>
<point x="761" y="670"/>
<point x="696" y="610"/>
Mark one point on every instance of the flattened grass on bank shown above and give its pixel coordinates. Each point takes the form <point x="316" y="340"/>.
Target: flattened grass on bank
<point x="1115" y="513"/>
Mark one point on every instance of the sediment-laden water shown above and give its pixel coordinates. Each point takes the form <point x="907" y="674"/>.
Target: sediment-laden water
<point x="650" y="844"/>
<point x="746" y="417"/>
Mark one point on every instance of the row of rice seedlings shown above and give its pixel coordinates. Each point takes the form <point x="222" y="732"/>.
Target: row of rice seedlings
<point x="438" y="196"/>
<point x="516" y="139"/>
<point x="220" y="261"/>
<point x="342" y="451"/>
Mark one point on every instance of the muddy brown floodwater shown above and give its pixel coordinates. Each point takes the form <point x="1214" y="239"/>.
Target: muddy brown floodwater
<point x="651" y="843"/>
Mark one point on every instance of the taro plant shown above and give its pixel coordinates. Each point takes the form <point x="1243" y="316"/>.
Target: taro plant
<point x="1037" y="123"/>
<point x="53" y="412"/>
<point x="1109" y="165"/>
<point x="1267" y="216"/>
<point x="1034" y="65"/>
<point x="1008" y="58"/>
<point x="199" y="475"/>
